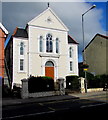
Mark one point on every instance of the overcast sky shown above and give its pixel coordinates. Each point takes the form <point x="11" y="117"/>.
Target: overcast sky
<point x="20" y="13"/>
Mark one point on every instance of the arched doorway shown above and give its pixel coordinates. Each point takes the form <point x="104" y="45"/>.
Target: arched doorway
<point x="49" y="69"/>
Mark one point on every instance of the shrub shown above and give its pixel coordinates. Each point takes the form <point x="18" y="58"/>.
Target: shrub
<point x="101" y="80"/>
<point x="40" y="84"/>
<point x="97" y="81"/>
<point x="16" y="92"/>
<point x="6" y="92"/>
<point x="72" y="82"/>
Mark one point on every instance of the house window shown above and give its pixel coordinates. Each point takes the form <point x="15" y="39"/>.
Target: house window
<point x="70" y="52"/>
<point x="49" y="64"/>
<point x="71" y="66"/>
<point x="41" y="43"/>
<point x="49" y="43"/>
<point x="21" y="48"/>
<point x="57" y="45"/>
<point x="21" y="64"/>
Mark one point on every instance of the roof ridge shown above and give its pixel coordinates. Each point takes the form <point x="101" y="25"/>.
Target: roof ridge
<point x="3" y="28"/>
<point x="102" y="35"/>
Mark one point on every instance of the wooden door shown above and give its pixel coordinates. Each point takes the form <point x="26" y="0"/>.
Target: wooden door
<point x="49" y="71"/>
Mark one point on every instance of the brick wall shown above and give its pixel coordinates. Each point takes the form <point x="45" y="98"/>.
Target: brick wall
<point x="2" y="40"/>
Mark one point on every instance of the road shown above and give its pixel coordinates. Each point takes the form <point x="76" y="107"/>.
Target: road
<point x="56" y="110"/>
<point x="97" y="96"/>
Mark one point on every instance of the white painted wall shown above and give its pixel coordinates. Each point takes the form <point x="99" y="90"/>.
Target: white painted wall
<point x="17" y="74"/>
<point x="34" y="59"/>
<point x="74" y="59"/>
<point x="37" y="63"/>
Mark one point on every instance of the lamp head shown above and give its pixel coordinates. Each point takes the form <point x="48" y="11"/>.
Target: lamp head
<point x="93" y="6"/>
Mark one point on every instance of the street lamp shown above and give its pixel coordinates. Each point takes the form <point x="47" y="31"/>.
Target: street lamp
<point x="84" y="58"/>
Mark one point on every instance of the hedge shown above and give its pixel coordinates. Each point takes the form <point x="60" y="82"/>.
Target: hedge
<point x="97" y="81"/>
<point x="40" y="84"/>
<point x="72" y="82"/>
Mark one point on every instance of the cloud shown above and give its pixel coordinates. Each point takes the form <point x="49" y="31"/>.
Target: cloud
<point x="72" y="18"/>
<point x="18" y="14"/>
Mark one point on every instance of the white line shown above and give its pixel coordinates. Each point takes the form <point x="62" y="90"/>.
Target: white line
<point x="92" y="105"/>
<point x="28" y="115"/>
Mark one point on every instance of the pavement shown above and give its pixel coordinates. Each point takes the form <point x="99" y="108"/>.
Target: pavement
<point x="15" y="101"/>
<point x="99" y="96"/>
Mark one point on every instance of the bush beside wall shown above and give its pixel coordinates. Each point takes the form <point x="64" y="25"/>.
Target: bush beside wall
<point x="40" y="84"/>
<point x="97" y="81"/>
<point x="72" y="82"/>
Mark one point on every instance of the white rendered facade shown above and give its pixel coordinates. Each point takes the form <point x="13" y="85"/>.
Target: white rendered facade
<point x="38" y="49"/>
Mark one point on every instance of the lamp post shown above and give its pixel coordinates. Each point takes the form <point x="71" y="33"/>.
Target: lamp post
<point x="84" y="58"/>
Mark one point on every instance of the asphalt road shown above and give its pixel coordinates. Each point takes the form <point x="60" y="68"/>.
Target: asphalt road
<point x="57" y="110"/>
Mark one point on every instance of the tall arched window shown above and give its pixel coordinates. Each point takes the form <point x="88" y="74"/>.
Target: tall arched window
<point x="49" y="43"/>
<point x="70" y="52"/>
<point x="57" y="45"/>
<point x="21" y="48"/>
<point x="41" y="43"/>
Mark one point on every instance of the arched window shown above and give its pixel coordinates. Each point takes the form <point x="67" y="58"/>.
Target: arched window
<point x="49" y="64"/>
<point x="41" y="43"/>
<point x="70" y="52"/>
<point x="57" y="45"/>
<point x="49" y="43"/>
<point x="21" y="48"/>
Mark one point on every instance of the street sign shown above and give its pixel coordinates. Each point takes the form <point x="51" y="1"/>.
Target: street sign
<point x="85" y="69"/>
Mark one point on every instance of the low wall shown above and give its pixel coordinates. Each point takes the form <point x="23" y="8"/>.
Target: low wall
<point x="44" y="94"/>
<point x="94" y="89"/>
<point x="25" y="93"/>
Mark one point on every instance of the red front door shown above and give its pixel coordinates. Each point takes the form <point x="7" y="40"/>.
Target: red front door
<point x="49" y="71"/>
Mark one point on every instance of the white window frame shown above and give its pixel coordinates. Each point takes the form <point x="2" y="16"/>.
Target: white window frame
<point x="20" y="65"/>
<point x="41" y="43"/>
<point x="57" y="45"/>
<point x="70" y="52"/>
<point x="71" y="66"/>
<point x="49" y="48"/>
<point x="22" y="46"/>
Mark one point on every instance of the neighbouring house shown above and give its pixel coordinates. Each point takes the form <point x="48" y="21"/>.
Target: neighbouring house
<point x="96" y="55"/>
<point x="3" y="36"/>
<point x="43" y="48"/>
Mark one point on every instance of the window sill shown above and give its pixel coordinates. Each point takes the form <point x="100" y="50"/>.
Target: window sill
<point x="21" y="72"/>
<point x="49" y="55"/>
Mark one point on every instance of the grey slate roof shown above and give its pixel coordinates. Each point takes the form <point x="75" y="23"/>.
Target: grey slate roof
<point x="71" y="40"/>
<point x="19" y="32"/>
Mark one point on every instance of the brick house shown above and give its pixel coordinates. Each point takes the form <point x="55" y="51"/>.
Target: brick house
<point x="3" y="35"/>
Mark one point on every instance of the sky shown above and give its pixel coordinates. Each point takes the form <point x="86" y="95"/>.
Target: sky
<point x="18" y="14"/>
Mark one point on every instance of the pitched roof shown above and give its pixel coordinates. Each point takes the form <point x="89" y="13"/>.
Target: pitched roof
<point x="53" y="13"/>
<point x="20" y="32"/>
<point x="71" y="40"/>
<point x="3" y="28"/>
<point x="103" y="36"/>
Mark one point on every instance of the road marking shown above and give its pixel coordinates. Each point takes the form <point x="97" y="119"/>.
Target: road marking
<point x="41" y="104"/>
<point x="60" y="101"/>
<point x="51" y="108"/>
<point x="85" y="106"/>
<point x="41" y="113"/>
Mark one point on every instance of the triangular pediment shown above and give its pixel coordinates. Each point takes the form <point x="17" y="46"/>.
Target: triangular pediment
<point x="48" y="19"/>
